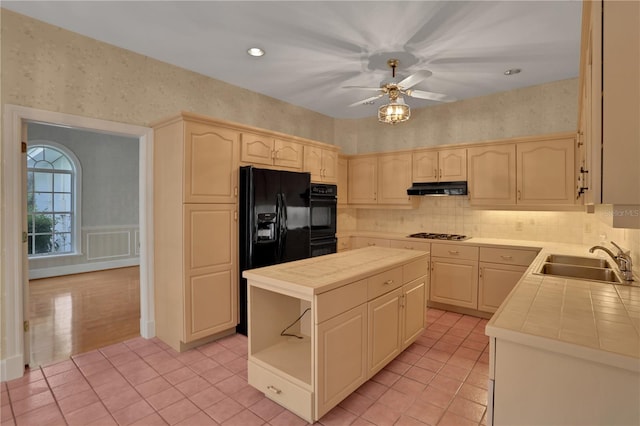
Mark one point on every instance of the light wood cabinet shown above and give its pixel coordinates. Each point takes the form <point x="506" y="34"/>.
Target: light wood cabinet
<point x="343" y="180"/>
<point x="363" y="180"/>
<point x="270" y="151"/>
<point x="394" y="178"/>
<point x="532" y="172"/>
<point x="609" y="106"/>
<point x="500" y="269"/>
<point x="545" y="172"/>
<point x="454" y="275"/>
<point x="347" y="333"/>
<point x="492" y="175"/>
<point x="195" y="230"/>
<point x="344" y="244"/>
<point x="381" y="179"/>
<point x="321" y="163"/>
<point x="445" y="165"/>
<point x="360" y="242"/>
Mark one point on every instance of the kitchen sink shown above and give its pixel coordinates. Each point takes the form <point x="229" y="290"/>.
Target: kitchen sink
<point x="578" y="261"/>
<point x="580" y="272"/>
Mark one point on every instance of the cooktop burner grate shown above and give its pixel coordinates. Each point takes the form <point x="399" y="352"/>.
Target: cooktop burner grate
<point x="435" y="236"/>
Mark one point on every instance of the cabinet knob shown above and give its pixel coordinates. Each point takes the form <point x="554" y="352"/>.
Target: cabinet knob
<point x="454" y="252"/>
<point x="371" y="244"/>
<point x="435" y="173"/>
<point x="519" y="195"/>
<point x="440" y="172"/>
<point x="388" y="282"/>
<point x="480" y="273"/>
<point x="506" y="257"/>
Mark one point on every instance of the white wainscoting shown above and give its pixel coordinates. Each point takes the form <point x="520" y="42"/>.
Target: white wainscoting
<point x="103" y="247"/>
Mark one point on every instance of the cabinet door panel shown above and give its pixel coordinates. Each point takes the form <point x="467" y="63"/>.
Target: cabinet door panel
<point x="210" y="290"/>
<point x="425" y="166"/>
<point x="256" y="149"/>
<point x="343" y="180"/>
<point x="414" y="319"/>
<point x="545" y="172"/>
<point x="492" y="175"/>
<point x="454" y="282"/>
<point x="287" y="154"/>
<point x="342" y="357"/>
<point x="394" y="177"/>
<point x="495" y="283"/>
<point x="211" y="164"/>
<point x="384" y="330"/>
<point x="363" y="180"/>
<point x="313" y="162"/>
<point x="453" y="165"/>
<point x="329" y="166"/>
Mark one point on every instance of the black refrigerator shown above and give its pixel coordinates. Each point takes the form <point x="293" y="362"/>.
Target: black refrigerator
<point x="274" y="223"/>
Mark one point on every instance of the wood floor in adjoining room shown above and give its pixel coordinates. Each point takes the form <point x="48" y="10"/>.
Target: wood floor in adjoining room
<point x="73" y="314"/>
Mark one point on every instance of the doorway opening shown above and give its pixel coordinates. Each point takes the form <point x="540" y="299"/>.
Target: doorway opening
<point x="14" y="238"/>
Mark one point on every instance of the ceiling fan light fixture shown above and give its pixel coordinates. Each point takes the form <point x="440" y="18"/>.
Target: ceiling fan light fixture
<point x="512" y="71"/>
<point x="394" y="112"/>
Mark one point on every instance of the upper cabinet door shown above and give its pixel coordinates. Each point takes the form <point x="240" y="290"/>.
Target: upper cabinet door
<point x="343" y="179"/>
<point x="394" y="178"/>
<point x="452" y="165"/>
<point x="287" y="154"/>
<point x="492" y="174"/>
<point x="211" y="164"/>
<point x="313" y="162"/>
<point x="329" y="166"/>
<point x="363" y="180"/>
<point x="425" y="166"/>
<point x="545" y="172"/>
<point x="257" y="149"/>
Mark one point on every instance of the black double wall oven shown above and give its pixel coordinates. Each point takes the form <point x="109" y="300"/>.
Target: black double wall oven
<point x="322" y="206"/>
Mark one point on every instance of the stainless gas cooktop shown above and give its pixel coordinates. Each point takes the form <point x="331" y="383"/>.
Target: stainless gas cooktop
<point x="435" y="236"/>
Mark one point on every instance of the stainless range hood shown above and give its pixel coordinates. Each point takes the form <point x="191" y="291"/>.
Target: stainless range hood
<point x="438" y="188"/>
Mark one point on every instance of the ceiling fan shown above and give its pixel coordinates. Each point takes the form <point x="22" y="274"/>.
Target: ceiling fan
<point x="396" y="110"/>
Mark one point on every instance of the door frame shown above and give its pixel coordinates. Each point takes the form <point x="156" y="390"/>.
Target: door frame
<point x="11" y="272"/>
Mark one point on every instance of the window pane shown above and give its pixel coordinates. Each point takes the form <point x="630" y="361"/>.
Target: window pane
<point x="43" y="165"/>
<point x="62" y="164"/>
<point x="30" y="162"/>
<point x="62" y="243"/>
<point x="51" y="155"/>
<point x="62" y="182"/>
<point x="37" y="153"/>
<point x="43" y="223"/>
<point x="43" y="244"/>
<point x="43" y="202"/>
<point x="62" y="223"/>
<point x="30" y="181"/>
<point x="62" y="202"/>
<point x="43" y="181"/>
<point x="30" y="244"/>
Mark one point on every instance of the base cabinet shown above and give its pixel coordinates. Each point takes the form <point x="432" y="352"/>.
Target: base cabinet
<point x="570" y="390"/>
<point x="454" y="275"/>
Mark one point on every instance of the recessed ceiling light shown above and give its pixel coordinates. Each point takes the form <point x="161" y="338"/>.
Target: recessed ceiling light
<point x="255" y="51"/>
<point x="512" y="71"/>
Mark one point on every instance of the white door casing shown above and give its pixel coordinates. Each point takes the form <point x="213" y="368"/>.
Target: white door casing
<point x="12" y="274"/>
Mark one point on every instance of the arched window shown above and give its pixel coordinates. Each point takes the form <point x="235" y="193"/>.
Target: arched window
<point x="52" y="200"/>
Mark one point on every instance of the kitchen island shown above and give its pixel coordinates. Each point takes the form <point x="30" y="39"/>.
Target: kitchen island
<point x="321" y="327"/>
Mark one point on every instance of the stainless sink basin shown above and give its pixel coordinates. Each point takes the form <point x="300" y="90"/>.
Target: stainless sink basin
<point x="580" y="272"/>
<point x="578" y="261"/>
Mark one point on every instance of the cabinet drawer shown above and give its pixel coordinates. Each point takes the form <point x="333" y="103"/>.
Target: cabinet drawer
<point x="414" y="270"/>
<point x="282" y="391"/>
<point x="340" y="300"/>
<point x="384" y="282"/>
<point x="410" y="245"/>
<point x="454" y="251"/>
<point x="360" y="242"/>
<point x="507" y="256"/>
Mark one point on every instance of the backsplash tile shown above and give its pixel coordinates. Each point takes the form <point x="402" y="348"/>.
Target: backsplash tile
<point x="454" y="215"/>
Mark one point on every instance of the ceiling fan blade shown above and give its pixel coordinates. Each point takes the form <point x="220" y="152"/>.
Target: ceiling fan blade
<point x="362" y="87"/>
<point x="364" y="101"/>
<point x="421" y="94"/>
<point x="414" y="79"/>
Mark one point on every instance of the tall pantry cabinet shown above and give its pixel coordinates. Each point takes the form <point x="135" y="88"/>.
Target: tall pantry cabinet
<point x="195" y="229"/>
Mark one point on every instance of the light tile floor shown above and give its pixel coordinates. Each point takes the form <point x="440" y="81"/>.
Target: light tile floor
<point x="439" y="380"/>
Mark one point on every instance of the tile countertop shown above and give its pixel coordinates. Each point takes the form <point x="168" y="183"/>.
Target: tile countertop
<point x="586" y="319"/>
<point x="323" y="273"/>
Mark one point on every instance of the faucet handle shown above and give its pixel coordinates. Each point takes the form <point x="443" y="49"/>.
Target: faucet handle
<point x="620" y="251"/>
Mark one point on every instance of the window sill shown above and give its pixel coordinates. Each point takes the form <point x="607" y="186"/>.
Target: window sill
<point x="54" y="256"/>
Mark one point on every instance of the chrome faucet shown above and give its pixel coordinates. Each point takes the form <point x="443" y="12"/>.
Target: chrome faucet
<point x="623" y="260"/>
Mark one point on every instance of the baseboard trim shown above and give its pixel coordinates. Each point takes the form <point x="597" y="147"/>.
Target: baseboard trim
<point x="11" y="368"/>
<point x="57" y="271"/>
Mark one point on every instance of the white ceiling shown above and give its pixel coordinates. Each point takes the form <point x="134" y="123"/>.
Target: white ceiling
<point x="314" y="48"/>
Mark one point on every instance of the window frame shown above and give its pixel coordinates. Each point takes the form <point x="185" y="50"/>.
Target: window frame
<point x="76" y="199"/>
